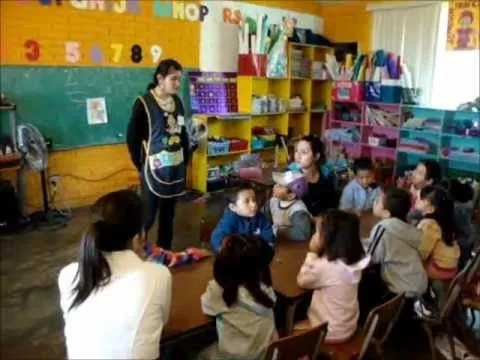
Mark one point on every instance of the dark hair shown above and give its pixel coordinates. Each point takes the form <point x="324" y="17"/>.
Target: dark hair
<point x="397" y="201"/>
<point x="164" y="68"/>
<point x="234" y="197"/>
<point x="118" y="217"/>
<point x="433" y="170"/>
<point x="438" y="197"/>
<point x="341" y="235"/>
<point x="317" y="146"/>
<point x="362" y="163"/>
<point x="459" y="191"/>
<point x="243" y="261"/>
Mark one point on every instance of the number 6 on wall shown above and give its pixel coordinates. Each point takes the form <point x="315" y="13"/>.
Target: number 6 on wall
<point x="72" y="52"/>
<point x="117" y="52"/>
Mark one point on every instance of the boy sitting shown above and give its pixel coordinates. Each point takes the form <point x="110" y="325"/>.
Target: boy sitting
<point x="242" y="217"/>
<point x="289" y="214"/>
<point x="361" y="192"/>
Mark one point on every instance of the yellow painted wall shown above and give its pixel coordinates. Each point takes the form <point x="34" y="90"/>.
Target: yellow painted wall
<point x="90" y="172"/>
<point x="348" y="22"/>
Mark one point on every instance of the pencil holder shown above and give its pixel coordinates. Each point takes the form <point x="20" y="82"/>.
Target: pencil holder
<point x="252" y="64"/>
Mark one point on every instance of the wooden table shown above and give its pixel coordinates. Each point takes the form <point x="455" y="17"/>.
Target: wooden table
<point x="190" y="282"/>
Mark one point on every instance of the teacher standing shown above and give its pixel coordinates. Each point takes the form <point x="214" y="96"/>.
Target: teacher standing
<point x="159" y="148"/>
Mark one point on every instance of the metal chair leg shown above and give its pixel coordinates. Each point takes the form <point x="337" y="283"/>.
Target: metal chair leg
<point x="431" y="340"/>
<point x="450" y="339"/>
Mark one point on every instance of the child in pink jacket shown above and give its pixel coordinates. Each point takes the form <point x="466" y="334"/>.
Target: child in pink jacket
<point x="333" y="269"/>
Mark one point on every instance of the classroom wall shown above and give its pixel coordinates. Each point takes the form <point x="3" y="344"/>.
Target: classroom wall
<point x="348" y="22"/>
<point x="36" y="32"/>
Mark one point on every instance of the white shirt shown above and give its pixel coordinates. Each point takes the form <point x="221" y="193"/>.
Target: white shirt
<point x="125" y="318"/>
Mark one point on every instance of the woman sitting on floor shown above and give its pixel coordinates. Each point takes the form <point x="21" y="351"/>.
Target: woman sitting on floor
<point x="114" y="304"/>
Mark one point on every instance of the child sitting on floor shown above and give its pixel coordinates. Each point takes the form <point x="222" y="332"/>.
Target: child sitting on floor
<point x="361" y="192"/>
<point x="333" y="268"/>
<point x="438" y="248"/>
<point x="290" y="216"/>
<point x="242" y="217"/>
<point x="393" y="247"/>
<point x="241" y="298"/>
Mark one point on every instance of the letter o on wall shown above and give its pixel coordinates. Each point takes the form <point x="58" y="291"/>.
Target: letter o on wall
<point x="192" y="12"/>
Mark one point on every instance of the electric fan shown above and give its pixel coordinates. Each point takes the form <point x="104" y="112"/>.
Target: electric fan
<point x="32" y="144"/>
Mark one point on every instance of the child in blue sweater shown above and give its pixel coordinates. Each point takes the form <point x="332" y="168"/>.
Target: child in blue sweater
<point x="360" y="193"/>
<point x="242" y="217"/>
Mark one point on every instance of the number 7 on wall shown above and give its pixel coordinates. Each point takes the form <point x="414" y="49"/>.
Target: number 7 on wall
<point x="117" y="52"/>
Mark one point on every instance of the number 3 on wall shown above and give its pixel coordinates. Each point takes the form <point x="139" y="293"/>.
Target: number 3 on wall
<point x="72" y="52"/>
<point x="33" y="48"/>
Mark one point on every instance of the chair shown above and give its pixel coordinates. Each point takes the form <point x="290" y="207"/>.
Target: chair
<point x="378" y="326"/>
<point x="442" y="319"/>
<point x="470" y="296"/>
<point x="304" y="346"/>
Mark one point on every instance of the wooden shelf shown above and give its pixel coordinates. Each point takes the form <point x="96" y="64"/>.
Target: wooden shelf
<point x="268" y="148"/>
<point x="318" y="111"/>
<point x="352" y="123"/>
<point x="269" y="113"/>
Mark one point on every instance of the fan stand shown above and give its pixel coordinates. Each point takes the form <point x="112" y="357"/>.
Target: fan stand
<point x="47" y="217"/>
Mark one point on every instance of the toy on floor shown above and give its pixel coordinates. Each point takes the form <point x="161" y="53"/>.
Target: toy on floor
<point x="173" y="259"/>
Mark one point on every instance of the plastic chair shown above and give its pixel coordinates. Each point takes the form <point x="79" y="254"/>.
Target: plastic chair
<point x="442" y="319"/>
<point x="304" y="346"/>
<point x="378" y="326"/>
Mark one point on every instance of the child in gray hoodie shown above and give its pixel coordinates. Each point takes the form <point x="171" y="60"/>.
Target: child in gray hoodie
<point x="393" y="246"/>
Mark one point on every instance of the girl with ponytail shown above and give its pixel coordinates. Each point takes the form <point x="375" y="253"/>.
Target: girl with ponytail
<point x="114" y="304"/>
<point x="241" y="297"/>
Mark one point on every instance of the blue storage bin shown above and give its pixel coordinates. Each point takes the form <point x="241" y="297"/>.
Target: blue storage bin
<point x="391" y="94"/>
<point x="257" y="143"/>
<point x="218" y="147"/>
<point x="372" y="91"/>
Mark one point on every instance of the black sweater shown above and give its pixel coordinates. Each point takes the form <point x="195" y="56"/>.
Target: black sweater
<point x="321" y="195"/>
<point x="137" y="132"/>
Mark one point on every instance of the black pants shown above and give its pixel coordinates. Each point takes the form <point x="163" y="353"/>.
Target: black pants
<point x="165" y="207"/>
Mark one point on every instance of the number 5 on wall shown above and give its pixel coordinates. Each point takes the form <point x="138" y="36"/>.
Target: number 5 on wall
<point x="117" y="52"/>
<point x="72" y="52"/>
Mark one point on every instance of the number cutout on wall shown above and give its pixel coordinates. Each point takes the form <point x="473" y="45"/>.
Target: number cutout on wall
<point x="136" y="55"/>
<point x="72" y="52"/>
<point x="156" y="52"/>
<point x="33" y="48"/>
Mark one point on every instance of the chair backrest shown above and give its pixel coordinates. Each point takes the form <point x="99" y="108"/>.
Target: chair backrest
<point x="304" y="346"/>
<point x="453" y="293"/>
<point x="473" y="266"/>
<point x="380" y="322"/>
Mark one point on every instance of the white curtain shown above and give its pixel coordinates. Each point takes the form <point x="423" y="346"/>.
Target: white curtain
<point x="411" y="32"/>
<point x="457" y="73"/>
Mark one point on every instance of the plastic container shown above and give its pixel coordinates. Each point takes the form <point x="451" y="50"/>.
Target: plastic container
<point x="237" y="144"/>
<point x="218" y="147"/>
<point x="257" y="143"/>
<point x="348" y="91"/>
<point x="372" y="91"/>
<point x="252" y="64"/>
<point x="391" y="94"/>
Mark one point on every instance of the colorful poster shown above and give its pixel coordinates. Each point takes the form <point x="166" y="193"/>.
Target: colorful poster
<point x="463" y="25"/>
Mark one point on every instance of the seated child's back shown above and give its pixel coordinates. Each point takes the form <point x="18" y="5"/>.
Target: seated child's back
<point x="242" y="299"/>
<point x="242" y="217"/>
<point x="333" y="268"/>
<point x="361" y="192"/>
<point x="394" y="245"/>
<point x="290" y="216"/>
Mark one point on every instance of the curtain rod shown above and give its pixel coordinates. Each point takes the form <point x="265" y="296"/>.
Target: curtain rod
<point x="392" y="5"/>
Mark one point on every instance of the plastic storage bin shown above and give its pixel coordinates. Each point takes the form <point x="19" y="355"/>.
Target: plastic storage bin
<point x="348" y="91"/>
<point x="218" y="147"/>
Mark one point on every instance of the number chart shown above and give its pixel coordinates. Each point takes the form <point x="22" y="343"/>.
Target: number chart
<point x="42" y="33"/>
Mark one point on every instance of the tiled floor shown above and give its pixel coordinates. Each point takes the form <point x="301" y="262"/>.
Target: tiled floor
<point x="31" y="323"/>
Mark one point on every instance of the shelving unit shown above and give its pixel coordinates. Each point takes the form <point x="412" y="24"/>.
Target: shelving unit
<point x="291" y="122"/>
<point x="414" y="133"/>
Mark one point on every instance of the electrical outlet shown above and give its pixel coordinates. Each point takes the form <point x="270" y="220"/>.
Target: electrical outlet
<point x="54" y="180"/>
